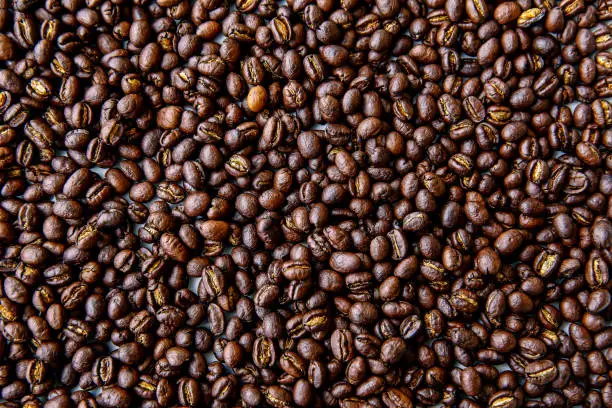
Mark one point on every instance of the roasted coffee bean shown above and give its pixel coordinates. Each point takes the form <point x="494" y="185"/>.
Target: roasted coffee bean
<point x="541" y="372"/>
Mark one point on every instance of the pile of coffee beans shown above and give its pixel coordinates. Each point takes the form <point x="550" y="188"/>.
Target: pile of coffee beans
<point x="312" y="203"/>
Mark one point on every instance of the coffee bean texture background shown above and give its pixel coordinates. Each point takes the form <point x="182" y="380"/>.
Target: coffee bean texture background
<point x="305" y="203"/>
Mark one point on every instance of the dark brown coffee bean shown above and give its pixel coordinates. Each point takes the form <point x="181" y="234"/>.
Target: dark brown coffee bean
<point x="471" y="381"/>
<point x="113" y="396"/>
<point x="541" y="372"/>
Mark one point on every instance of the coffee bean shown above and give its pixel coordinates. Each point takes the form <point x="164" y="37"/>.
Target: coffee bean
<point x="506" y="12"/>
<point x="114" y="396"/>
<point x="257" y="98"/>
<point x="541" y="372"/>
